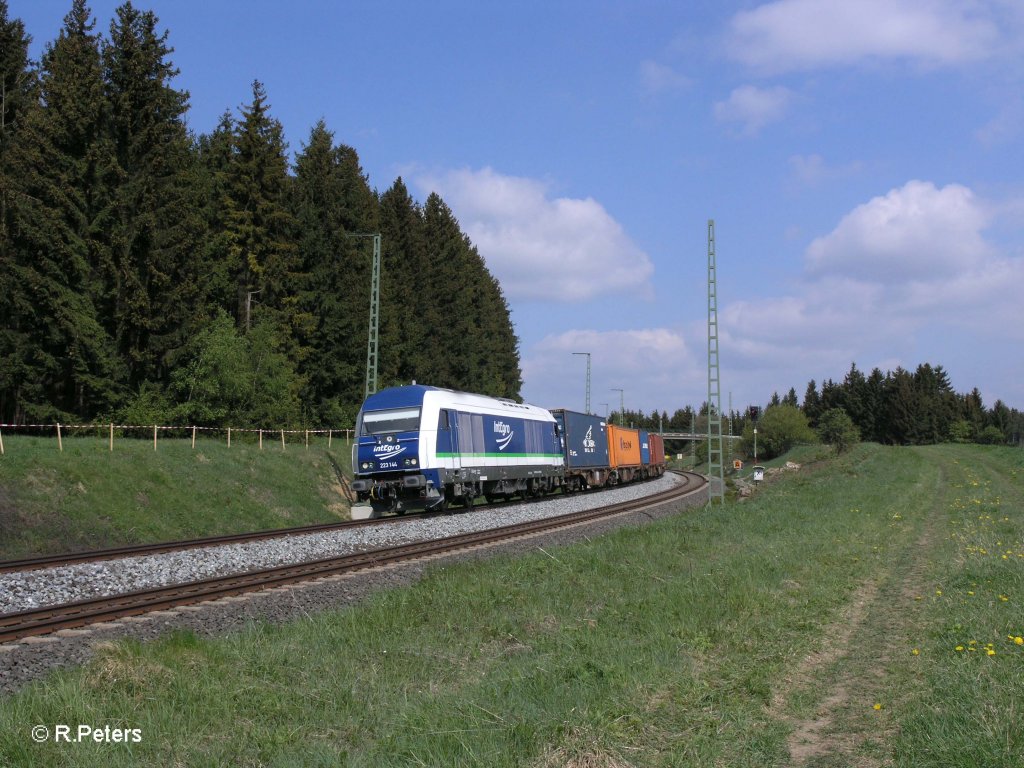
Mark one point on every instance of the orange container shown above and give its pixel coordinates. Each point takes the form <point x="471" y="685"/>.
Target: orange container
<point x="623" y="447"/>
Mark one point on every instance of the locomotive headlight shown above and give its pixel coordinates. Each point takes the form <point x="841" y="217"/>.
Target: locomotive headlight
<point x="366" y="465"/>
<point x="410" y="462"/>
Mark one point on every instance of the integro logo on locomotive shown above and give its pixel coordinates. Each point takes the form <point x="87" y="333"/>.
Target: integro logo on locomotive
<point x="387" y="450"/>
<point x="505" y="430"/>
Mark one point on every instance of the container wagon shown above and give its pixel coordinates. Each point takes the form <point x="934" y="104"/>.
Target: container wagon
<point x="624" y="454"/>
<point x="585" y="447"/>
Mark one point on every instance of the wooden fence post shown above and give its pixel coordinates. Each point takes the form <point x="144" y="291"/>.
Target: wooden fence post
<point x="1" y="442"/>
<point x="193" y="437"/>
<point x="111" y="437"/>
<point x="282" y="440"/>
<point x="154" y="437"/>
<point x="229" y="437"/>
<point x="261" y="439"/>
<point x="329" y="431"/>
<point x="307" y="440"/>
<point x="60" y="443"/>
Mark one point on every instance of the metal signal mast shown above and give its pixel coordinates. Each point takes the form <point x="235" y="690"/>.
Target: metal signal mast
<point x="716" y="471"/>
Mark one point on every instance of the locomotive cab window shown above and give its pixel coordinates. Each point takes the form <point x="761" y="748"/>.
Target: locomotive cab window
<point x="390" y="421"/>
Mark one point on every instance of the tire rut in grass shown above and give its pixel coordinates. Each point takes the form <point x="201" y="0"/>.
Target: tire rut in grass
<point x="856" y="671"/>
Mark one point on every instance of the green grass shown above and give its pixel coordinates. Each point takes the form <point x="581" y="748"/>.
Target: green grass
<point x="712" y="638"/>
<point x="88" y="497"/>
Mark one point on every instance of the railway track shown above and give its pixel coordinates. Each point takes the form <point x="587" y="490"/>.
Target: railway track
<point x="132" y="550"/>
<point x="49" y="561"/>
<point x="23" y="624"/>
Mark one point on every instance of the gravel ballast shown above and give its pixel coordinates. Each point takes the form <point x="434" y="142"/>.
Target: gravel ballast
<point x="24" y="590"/>
<point x="27" y="661"/>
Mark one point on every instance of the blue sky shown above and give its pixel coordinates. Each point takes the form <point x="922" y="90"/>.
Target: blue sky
<point x="863" y="162"/>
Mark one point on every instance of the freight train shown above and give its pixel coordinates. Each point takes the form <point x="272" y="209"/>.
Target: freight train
<point x="422" y="448"/>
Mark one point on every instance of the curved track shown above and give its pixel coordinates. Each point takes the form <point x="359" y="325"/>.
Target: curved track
<point x="131" y="550"/>
<point x="15" y="626"/>
<point x="49" y="561"/>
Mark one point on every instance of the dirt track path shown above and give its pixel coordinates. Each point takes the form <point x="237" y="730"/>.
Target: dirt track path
<point x="829" y="699"/>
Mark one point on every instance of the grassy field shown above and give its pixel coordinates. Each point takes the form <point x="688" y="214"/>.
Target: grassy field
<point x="88" y="497"/>
<point x="865" y="612"/>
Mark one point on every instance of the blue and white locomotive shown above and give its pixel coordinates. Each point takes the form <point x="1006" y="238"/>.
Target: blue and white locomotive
<point x="420" y="447"/>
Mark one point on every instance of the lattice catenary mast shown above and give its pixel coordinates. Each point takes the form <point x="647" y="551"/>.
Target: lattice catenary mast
<point x="372" y="336"/>
<point x="716" y="471"/>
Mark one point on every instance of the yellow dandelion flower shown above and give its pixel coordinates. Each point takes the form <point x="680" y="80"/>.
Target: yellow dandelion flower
<point x="938" y="592"/>
<point x="877" y="707"/>
<point x="1004" y="598"/>
<point x="959" y="648"/>
<point x="916" y="652"/>
<point x="969" y="592"/>
<point x="1018" y="640"/>
<point x="990" y="651"/>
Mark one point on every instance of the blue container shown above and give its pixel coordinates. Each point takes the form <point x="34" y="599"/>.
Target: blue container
<point x="584" y="439"/>
<point x="645" y="448"/>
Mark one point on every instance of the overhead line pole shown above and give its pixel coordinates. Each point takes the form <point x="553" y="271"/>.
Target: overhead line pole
<point x="716" y="475"/>
<point x="372" y="336"/>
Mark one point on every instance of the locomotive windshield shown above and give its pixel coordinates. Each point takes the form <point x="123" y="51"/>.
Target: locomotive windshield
<point x="395" y="420"/>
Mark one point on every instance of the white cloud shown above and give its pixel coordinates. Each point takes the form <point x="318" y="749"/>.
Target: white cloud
<point x="898" y="277"/>
<point x="753" y="107"/>
<point x="658" y="78"/>
<point x="789" y="35"/>
<point x="653" y="365"/>
<point x="915" y="232"/>
<point x="539" y="247"/>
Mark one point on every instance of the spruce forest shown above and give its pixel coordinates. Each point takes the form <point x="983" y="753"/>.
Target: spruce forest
<point x="893" y="408"/>
<point x="151" y="275"/>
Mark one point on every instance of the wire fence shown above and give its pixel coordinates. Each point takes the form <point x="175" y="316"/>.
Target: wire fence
<point x="110" y="431"/>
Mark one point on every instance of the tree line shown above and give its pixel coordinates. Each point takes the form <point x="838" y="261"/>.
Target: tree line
<point x="151" y="274"/>
<point x="896" y="407"/>
<point x="912" y="408"/>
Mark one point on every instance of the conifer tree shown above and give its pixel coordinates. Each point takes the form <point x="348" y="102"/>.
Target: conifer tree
<point x="812" y="404"/>
<point x="154" y="227"/>
<point x="16" y="91"/>
<point x="405" y="343"/>
<point x="262" y="253"/>
<point x="481" y="346"/>
<point x="214" y="153"/>
<point x="16" y="78"/>
<point x="334" y="207"/>
<point x="59" y="206"/>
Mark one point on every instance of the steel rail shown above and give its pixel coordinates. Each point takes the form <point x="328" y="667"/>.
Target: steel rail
<point x="131" y="550"/>
<point x="50" y="561"/>
<point x="40" y="621"/>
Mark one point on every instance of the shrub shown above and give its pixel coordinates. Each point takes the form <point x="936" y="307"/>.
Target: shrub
<point x="837" y="429"/>
<point x="780" y="428"/>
